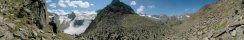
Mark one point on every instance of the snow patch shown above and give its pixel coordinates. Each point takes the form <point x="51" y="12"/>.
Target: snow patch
<point x="87" y="16"/>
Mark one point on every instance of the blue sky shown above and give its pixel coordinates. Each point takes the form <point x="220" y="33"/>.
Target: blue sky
<point x="152" y="7"/>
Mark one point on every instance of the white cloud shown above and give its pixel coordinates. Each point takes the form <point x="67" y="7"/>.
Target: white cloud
<point x="76" y="11"/>
<point x="48" y="1"/>
<point x="62" y="12"/>
<point x="49" y="10"/>
<point x="140" y="9"/>
<point x="133" y="3"/>
<point x="81" y="4"/>
<point x="61" y="3"/>
<point x="151" y="6"/>
<point x="90" y="12"/>
<point x="53" y="5"/>
<point x="92" y="4"/>
<point x="87" y="14"/>
<point x="74" y="3"/>
<point x="58" y="11"/>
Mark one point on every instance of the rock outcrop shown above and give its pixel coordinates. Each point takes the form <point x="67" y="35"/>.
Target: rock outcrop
<point x="26" y="20"/>
<point x="34" y="12"/>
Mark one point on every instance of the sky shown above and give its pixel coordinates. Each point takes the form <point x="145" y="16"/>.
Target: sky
<point x="149" y="7"/>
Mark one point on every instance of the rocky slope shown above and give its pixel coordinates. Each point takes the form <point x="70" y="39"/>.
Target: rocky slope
<point x="220" y="21"/>
<point x="26" y="20"/>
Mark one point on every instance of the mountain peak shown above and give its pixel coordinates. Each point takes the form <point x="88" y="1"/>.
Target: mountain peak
<point x="117" y="6"/>
<point x="115" y="1"/>
<point x="115" y="12"/>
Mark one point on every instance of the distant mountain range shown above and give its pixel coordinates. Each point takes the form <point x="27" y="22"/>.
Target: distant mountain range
<point x="165" y="17"/>
<point x="68" y="22"/>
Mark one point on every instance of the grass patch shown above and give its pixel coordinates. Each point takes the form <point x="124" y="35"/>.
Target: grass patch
<point x="64" y="36"/>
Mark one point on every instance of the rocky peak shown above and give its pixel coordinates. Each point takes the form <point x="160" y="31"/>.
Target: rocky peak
<point x="115" y="1"/>
<point x="117" y="6"/>
<point x="115" y="11"/>
<point x="71" y="16"/>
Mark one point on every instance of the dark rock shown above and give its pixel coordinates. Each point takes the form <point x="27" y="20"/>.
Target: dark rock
<point x="21" y="15"/>
<point x="54" y="26"/>
<point x="72" y="16"/>
<point x="242" y="2"/>
<point x="40" y="26"/>
<point x="78" y="22"/>
<point x="19" y="34"/>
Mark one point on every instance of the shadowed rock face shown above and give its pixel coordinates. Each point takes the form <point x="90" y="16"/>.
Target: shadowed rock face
<point x="36" y="10"/>
<point x="54" y="26"/>
<point x="33" y="10"/>
<point x="38" y="7"/>
<point x="72" y="16"/>
<point x="78" y="23"/>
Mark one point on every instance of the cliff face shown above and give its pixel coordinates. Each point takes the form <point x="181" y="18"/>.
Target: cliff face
<point x="33" y="12"/>
<point x="26" y="20"/>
